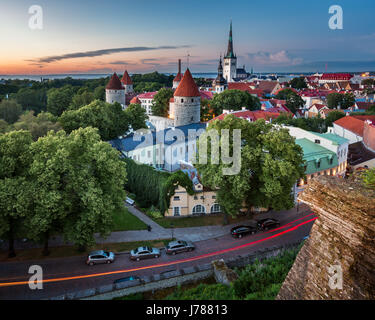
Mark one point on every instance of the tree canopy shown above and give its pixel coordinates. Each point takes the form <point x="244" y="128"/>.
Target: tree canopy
<point x="271" y="163"/>
<point x="160" y="105"/>
<point x="10" y="111"/>
<point x="59" y="100"/>
<point x="110" y="119"/>
<point x="234" y="100"/>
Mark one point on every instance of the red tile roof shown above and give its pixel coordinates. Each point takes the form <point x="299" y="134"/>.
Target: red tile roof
<point x="245" y="86"/>
<point x="354" y="124"/>
<point x="337" y="76"/>
<point x="178" y="77"/>
<point x="147" y="95"/>
<point x="114" y="83"/>
<point x="206" y="95"/>
<point x="126" y="80"/>
<point x="135" y="100"/>
<point x="187" y="86"/>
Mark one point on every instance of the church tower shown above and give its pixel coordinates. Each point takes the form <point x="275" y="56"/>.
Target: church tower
<point x="219" y="84"/>
<point x="177" y="79"/>
<point x="187" y="101"/>
<point x="230" y="60"/>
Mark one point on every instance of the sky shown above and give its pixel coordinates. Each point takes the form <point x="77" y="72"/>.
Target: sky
<point x="92" y="36"/>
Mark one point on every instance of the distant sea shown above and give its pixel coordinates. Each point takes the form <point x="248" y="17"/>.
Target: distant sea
<point x="96" y="76"/>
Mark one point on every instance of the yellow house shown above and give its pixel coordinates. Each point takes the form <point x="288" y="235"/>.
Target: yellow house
<point x="201" y="203"/>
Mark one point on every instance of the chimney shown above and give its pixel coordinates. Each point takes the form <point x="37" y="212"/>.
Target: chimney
<point x="179" y="65"/>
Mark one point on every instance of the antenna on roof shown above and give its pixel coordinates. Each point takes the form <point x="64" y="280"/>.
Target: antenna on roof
<point x="188" y="55"/>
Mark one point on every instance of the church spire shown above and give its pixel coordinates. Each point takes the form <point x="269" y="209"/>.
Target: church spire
<point x="230" y="53"/>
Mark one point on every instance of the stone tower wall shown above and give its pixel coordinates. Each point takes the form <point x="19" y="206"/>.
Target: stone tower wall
<point x="187" y="110"/>
<point x="112" y="96"/>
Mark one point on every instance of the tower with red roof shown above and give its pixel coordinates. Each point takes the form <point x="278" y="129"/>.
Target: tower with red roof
<point x="114" y="91"/>
<point x="187" y="101"/>
<point x="177" y="79"/>
<point x="127" y="83"/>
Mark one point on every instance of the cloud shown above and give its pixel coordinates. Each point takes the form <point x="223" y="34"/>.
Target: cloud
<point x="97" y="53"/>
<point x="281" y="58"/>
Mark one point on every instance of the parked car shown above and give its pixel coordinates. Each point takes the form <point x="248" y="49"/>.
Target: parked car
<point x="126" y="279"/>
<point x="144" y="253"/>
<point x="101" y="256"/>
<point x="268" y="223"/>
<point x="178" y="246"/>
<point x="130" y="201"/>
<point x="240" y="231"/>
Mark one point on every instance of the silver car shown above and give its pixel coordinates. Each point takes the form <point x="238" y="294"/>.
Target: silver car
<point x="100" y="256"/>
<point x="179" y="246"/>
<point x="144" y="253"/>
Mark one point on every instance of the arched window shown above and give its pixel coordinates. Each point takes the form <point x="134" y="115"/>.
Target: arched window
<point x="198" y="210"/>
<point x="215" y="208"/>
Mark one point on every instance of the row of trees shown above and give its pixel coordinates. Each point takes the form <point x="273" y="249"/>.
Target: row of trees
<point x="66" y="184"/>
<point x="340" y="101"/>
<point x="110" y="119"/>
<point x="316" y="124"/>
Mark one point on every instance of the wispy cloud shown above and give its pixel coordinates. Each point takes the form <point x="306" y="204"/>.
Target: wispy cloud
<point x="279" y="58"/>
<point x="97" y="53"/>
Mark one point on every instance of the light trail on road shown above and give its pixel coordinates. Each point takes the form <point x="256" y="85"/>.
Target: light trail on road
<point x="8" y="284"/>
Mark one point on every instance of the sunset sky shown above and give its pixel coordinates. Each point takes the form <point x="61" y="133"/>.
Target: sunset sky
<point x="91" y="36"/>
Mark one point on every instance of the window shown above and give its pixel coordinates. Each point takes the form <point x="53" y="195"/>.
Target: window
<point x="192" y="100"/>
<point x="213" y="197"/>
<point x="317" y="141"/>
<point x="182" y="100"/>
<point x="318" y="164"/>
<point x="215" y="208"/>
<point x="176" y="211"/>
<point x="176" y="198"/>
<point x="198" y="210"/>
<point x="202" y="197"/>
<point x="195" y="198"/>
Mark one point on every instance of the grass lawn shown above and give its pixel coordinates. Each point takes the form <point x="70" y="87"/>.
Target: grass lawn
<point x="70" y="251"/>
<point x="123" y="220"/>
<point x="199" y="221"/>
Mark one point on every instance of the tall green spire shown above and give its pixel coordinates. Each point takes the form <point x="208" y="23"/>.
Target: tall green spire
<point x="230" y="53"/>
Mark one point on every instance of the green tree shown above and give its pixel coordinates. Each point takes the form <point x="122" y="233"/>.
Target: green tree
<point x="99" y="93"/>
<point x="110" y="119"/>
<point x="137" y="116"/>
<point x="369" y="178"/>
<point x="10" y="111"/>
<point x="271" y="163"/>
<point x="59" y="100"/>
<point x="15" y="195"/>
<point x="31" y="99"/>
<point x="334" y="100"/>
<point x="332" y="117"/>
<point x="4" y="126"/>
<point x="293" y="100"/>
<point x="298" y="83"/>
<point x="38" y="125"/>
<point x="160" y="105"/>
<point x="81" y="99"/>
<point x="234" y="100"/>
<point x="348" y="100"/>
<point x="79" y="182"/>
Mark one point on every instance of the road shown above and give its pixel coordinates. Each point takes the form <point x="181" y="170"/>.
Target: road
<point x="58" y="273"/>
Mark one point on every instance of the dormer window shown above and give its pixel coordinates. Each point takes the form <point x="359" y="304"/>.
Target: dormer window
<point x="317" y="141"/>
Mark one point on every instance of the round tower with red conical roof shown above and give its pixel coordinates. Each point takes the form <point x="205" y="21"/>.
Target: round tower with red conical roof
<point x="127" y="83"/>
<point x="114" y="91"/>
<point x="187" y="101"/>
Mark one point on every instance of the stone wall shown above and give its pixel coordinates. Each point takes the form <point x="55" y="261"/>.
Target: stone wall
<point x="170" y="278"/>
<point x="341" y="242"/>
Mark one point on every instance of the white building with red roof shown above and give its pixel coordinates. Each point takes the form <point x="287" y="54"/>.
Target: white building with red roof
<point x="335" y="77"/>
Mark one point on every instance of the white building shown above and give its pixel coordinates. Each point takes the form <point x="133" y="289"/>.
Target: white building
<point x="330" y="141"/>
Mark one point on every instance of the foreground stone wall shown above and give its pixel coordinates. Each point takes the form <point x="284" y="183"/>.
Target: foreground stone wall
<point x="341" y="242"/>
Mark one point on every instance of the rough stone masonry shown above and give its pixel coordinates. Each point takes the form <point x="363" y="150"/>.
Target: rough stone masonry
<point x="341" y="242"/>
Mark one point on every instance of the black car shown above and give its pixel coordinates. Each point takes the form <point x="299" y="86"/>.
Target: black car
<point x="240" y="231"/>
<point x="268" y="223"/>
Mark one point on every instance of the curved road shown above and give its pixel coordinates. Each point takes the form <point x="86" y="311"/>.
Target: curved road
<point x="64" y="275"/>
